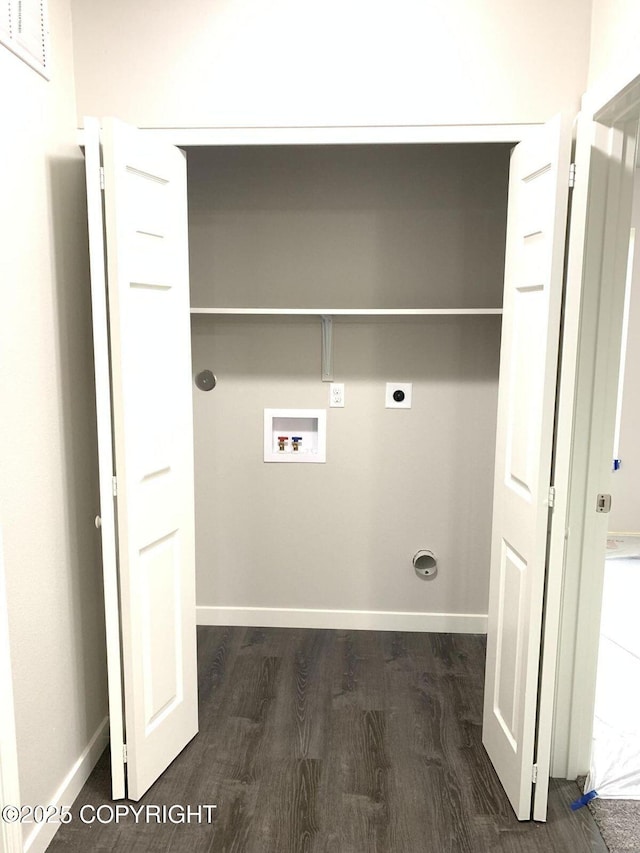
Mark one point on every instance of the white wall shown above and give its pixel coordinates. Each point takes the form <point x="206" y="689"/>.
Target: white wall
<point x="366" y="62"/>
<point x="47" y="430"/>
<point x="625" y="483"/>
<point x="347" y="227"/>
<point x="615" y="38"/>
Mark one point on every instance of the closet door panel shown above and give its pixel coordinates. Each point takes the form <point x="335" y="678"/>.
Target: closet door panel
<point x="148" y="284"/>
<point x="536" y="223"/>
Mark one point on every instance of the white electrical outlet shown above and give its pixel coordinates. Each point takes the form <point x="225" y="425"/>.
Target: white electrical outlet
<point x="398" y="395"/>
<point x="336" y="395"/>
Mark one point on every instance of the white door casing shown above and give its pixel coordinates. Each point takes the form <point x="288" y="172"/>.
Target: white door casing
<point x="107" y="520"/>
<point x="145" y="206"/>
<point x="603" y="277"/>
<point x="536" y="224"/>
<point x="152" y="414"/>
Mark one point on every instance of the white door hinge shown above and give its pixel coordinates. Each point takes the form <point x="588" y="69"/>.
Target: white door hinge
<point x="124" y="752"/>
<point x="572" y="175"/>
<point x="101" y="178"/>
<point x="114" y="483"/>
<point x="552" y="497"/>
<point x="534" y="773"/>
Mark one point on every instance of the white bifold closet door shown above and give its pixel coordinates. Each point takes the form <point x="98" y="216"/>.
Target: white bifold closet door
<point x="513" y="719"/>
<point x="143" y="383"/>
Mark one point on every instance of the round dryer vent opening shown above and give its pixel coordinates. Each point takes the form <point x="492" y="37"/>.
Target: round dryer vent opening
<point x="425" y="564"/>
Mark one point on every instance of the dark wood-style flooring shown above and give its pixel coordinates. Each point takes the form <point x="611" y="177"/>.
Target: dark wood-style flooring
<point x="336" y="742"/>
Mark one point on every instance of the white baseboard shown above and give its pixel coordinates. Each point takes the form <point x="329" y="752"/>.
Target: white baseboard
<point x="372" y="620"/>
<point x="40" y="837"/>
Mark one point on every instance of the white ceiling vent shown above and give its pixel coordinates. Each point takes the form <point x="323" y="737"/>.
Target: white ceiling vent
<point x="24" y="30"/>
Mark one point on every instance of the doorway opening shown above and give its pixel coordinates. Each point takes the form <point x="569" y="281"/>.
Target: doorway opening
<point x="148" y="296"/>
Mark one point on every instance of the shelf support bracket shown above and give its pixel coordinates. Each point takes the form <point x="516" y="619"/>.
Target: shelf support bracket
<point x="327" y="348"/>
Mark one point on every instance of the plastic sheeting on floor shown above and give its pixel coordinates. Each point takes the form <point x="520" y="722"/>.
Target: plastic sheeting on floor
<point x="615" y="759"/>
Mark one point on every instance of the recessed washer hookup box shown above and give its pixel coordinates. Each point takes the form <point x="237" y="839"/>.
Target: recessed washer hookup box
<point x="295" y="435"/>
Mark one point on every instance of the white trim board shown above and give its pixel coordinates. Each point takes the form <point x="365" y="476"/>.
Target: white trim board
<point x="106" y="467"/>
<point x="598" y="251"/>
<point x="343" y="620"/>
<point x="381" y="135"/>
<point x="40" y="836"/>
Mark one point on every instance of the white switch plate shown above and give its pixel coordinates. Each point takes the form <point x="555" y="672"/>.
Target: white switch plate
<point x="336" y="395"/>
<point x="392" y="387"/>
